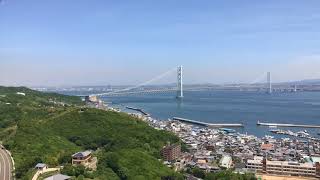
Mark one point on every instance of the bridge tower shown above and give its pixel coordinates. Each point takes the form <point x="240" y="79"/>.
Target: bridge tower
<point x="179" y="83"/>
<point x="269" y="83"/>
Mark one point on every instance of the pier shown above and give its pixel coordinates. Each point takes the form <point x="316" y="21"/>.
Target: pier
<point x="287" y="125"/>
<point x="206" y="124"/>
<point x="139" y="110"/>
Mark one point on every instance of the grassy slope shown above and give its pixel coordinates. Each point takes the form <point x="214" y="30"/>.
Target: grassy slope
<point x="38" y="131"/>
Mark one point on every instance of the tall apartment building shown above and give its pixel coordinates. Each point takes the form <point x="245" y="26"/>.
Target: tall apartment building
<point x="171" y="152"/>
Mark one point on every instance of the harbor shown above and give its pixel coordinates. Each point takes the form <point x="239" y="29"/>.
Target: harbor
<point x="229" y="108"/>
<point x="300" y="134"/>
<point x="212" y="125"/>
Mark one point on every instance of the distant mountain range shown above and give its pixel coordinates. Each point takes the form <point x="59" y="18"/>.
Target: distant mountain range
<point x="304" y="82"/>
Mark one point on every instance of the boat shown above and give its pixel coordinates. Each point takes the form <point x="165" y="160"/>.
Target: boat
<point x="274" y="130"/>
<point x="227" y="130"/>
<point x="303" y="133"/>
<point x="268" y="137"/>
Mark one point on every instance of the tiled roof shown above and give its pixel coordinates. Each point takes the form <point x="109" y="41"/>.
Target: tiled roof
<point x="81" y="154"/>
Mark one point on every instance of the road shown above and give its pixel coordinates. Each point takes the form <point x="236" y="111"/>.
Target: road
<point x="5" y="166"/>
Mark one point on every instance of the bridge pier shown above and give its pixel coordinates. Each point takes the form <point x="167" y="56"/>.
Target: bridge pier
<point x="179" y="83"/>
<point x="269" y="83"/>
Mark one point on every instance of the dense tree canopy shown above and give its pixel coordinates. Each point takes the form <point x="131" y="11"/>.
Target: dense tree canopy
<point x="49" y="128"/>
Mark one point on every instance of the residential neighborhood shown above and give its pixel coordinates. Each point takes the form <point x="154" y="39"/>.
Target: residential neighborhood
<point x="216" y="149"/>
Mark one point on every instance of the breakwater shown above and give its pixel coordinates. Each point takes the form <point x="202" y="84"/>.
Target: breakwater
<point x="208" y="124"/>
<point x="287" y="125"/>
<point x="139" y="110"/>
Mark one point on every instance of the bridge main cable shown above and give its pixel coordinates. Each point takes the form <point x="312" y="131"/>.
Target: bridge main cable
<point x="139" y="85"/>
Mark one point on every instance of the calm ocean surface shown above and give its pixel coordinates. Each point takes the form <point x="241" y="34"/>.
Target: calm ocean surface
<point x="231" y="107"/>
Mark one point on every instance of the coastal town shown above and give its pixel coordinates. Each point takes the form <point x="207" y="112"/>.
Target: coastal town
<point x="216" y="149"/>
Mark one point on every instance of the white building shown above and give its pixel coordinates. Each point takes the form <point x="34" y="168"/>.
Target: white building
<point x="41" y="166"/>
<point x="283" y="167"/>
<point x="226" y="161"/>
<point x="21" y="93"/>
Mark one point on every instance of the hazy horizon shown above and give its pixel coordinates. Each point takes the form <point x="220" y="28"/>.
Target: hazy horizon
<point x="77" y="43"/>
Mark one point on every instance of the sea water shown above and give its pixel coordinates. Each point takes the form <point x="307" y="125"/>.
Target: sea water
<point x="230" y="107"/>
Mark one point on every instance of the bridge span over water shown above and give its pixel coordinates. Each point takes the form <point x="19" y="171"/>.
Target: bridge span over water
<point x="144" y="88"/>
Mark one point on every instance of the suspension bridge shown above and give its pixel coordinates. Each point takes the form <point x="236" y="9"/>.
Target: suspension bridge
<point x="262" y="83"/>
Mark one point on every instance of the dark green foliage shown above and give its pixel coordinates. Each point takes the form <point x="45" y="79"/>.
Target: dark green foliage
<point x="229" y="175"/>
<point x="222" y="175"/>
<point x="39" y="130"/>
<point x="74" y="170"/>
<point x="198" y="173"/>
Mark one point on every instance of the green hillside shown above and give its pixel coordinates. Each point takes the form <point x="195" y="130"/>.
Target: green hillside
<point x="46" y="127"/>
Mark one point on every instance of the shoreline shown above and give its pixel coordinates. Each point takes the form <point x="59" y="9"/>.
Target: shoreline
<point x="207" y="147"/>
<point x="142" y="114"/>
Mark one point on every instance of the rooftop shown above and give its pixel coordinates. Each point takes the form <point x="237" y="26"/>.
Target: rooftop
<point x="289" y="163"/>
<point x="267" y="146"/>
<point x="315" y="159"/>
<point x="40" y="165"/>
<point x="58" y="177"/>
<point x="82" y="154"/>
<point x="171" y="146"/>
<point x="226" y="160"/>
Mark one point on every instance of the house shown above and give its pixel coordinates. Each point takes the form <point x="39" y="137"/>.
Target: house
<point x="91" y="99"/>
<point x="267" y="147"/>
<point x="41" y="166"/>
<point x="58" y="177"/>
<point x="226" y="161"/>
<point x="84" y="158"/>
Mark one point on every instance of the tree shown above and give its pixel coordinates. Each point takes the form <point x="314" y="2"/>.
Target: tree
<point x="68" y="170"/>
<point x="198" y="173"/>
<point x="64" y="158"/>
<point x="79" y="170"/>
<point x="123" y="173"/>
<point x="81" y="177"/>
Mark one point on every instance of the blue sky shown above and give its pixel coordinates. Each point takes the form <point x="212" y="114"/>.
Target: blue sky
<point x="97" y="42"/>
